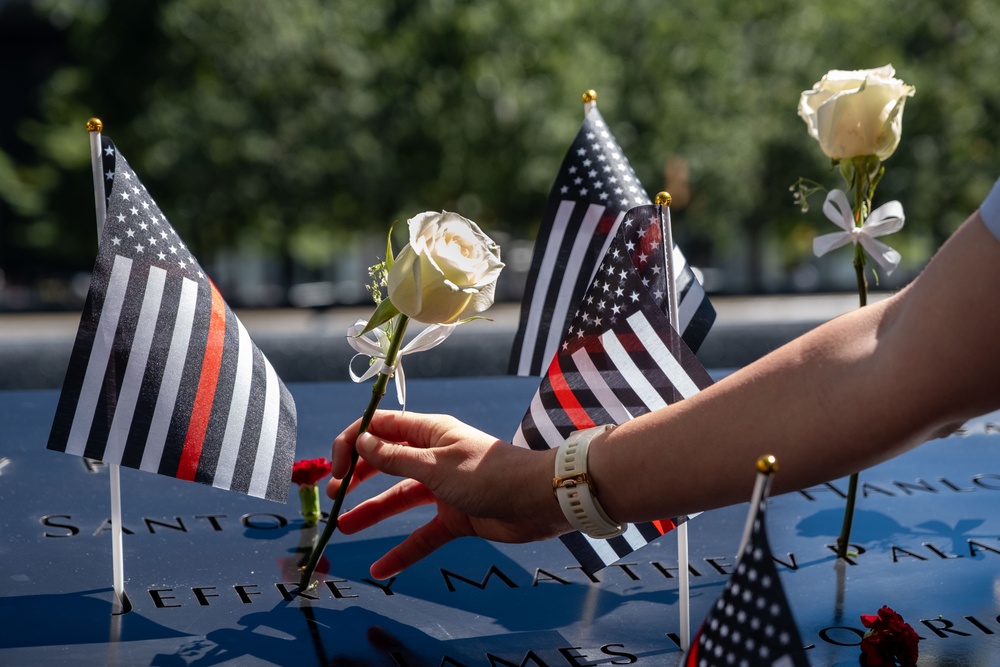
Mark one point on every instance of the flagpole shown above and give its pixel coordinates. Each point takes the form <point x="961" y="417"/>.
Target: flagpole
<point x="663" y="200"/>
<point x="589" y="101"/>
<point x="121" y="605"/>
<point x="766" y="467"/>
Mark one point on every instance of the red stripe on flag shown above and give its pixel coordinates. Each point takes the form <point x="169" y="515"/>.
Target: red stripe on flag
<point x="691" y="659"/>
<point x="664" y="526"/>
<point x="607" y="223"/>
<point x="566" y="398"/>
<point x="202" y="410"/>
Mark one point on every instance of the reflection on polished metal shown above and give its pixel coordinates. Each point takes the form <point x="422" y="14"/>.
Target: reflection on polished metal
<point x="212" y="575"/>
<point x="767" y="464"/>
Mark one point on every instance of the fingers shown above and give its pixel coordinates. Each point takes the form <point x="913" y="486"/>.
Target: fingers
<point x="414" y="429"/>
<point x="395" y="459"/>
<point x="343" y="445"/>
<point x="362" y="471"/>
<point x="421" y="542"/>
<point x="401" y="497"/>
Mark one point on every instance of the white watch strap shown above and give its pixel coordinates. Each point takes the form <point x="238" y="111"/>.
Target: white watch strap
<point x="575" y="490"/>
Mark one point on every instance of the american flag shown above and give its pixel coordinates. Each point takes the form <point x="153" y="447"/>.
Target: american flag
<point x="619" y="359"/>
<point x="163" y="376"/>
<point x="751" y="625"/>
<point x="594" y="189"/>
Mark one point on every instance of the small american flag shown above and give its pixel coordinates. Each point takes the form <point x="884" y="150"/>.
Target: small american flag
<point x="594" y="188"/>
<point x="163" y="376"/>
<point x="619" y="359"/>
<point x="751" y="625"/>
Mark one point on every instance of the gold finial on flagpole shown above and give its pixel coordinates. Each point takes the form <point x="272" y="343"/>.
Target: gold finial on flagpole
<point x="95" y="125"/>
<point x="767" y="464"/>
<point x="663" y="199"/>
<point x="590" y="96"/>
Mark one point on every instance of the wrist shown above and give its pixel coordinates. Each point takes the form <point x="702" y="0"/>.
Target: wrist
<point x="576" y="489"/>
<point x="602" y="465"/>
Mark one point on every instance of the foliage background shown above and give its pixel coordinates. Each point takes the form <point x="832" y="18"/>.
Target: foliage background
<point x="290" y="131"/>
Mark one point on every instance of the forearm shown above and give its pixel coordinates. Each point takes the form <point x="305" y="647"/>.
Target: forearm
<point x="851" y="393"/>
<point x="794" y="403"/>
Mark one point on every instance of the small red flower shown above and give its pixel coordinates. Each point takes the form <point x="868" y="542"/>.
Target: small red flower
<point x="889" y="642"/>
<point x="310" y="471"/>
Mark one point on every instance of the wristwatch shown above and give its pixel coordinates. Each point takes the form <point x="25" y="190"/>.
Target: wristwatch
<point x="575" y="489"/>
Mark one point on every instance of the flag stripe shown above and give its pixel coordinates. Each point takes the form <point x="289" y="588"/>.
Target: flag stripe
<point x="283" y="457"/>
<point x="664" y="526"/>
<point x="565" y="298"/>
<point x="268" y="435"/>
<point x="567" y="399"/>
<point x="690" y="303"/>
<point x="666" y="361"/>
<point x="187" y="392"/>
<point x="543" y="280"/>
<point x="595" y="382"/>
<point x="100" y="354"/>
<point x="250" y="439"/>
<point x="131" y="385"/>
<point x="173" y="372"/>
<point x="587" y="398"/>
<point x="543" y="424"/>
<point x="592" y="554"/>
<point x="605" y="244"/>
<point x="637" y="380"/>
<point x="237" y="411"/>
<point x="153" y="377"/>
<point x="634" y="538"/>
<point x="205" y="395"/>
<point x="219" y="417"/>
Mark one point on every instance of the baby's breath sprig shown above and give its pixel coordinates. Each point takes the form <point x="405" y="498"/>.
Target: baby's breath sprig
<point x="379" y="275"/>
<point x="802" y="189"/>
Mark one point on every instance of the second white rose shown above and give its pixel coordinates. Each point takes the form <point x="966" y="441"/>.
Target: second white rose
<point x="447" y="272"/>
<point x="856" y="113"/>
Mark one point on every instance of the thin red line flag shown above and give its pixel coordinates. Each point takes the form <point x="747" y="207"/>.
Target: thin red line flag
<point x="163" y="376"/>
<point x="618" y="359"/>
<point x="593" y="190"/>
<point x="751" y="624"/>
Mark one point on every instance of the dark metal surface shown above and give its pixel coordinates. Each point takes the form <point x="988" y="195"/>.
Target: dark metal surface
<point x="208" y="572"/>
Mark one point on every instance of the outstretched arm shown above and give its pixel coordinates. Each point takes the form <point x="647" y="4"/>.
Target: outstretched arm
<point x="847" y="395"/>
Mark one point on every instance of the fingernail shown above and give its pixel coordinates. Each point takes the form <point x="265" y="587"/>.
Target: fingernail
<point x="366" y="441"/>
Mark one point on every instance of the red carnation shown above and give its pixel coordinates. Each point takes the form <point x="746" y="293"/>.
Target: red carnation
<point x="889" y="642"/>
<point x="310" y="471"/>
<point x="306" y="473"/>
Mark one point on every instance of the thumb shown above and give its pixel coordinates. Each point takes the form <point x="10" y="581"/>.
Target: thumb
<point x="390" y="457"/>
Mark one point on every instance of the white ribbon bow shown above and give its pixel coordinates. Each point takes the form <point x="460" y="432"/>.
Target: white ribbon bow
<point x="886" y="219"/>
<point x="376" y="348"/>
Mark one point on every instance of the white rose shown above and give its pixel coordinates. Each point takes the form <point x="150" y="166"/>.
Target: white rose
<point x="856" y="114"/>
<point x="447" y="272"/>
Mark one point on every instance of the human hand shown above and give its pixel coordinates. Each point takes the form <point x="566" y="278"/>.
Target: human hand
<point x="482" y="486"/>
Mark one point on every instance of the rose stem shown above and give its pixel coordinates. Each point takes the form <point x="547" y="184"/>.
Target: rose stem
<point x="378" y="391"/>
<point x="859" y="270"/>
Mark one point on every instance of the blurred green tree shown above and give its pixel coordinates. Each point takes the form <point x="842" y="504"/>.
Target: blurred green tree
<point x="293" y="127"/>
